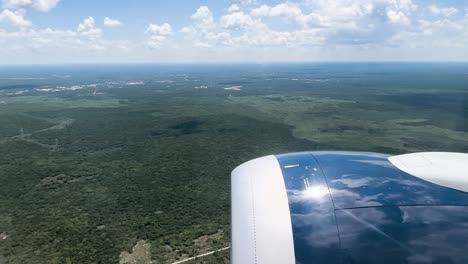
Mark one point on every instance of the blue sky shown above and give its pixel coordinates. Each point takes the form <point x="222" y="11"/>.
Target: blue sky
<point x="118" y="31"/>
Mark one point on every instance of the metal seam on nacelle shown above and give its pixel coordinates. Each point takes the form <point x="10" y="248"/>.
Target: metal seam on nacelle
<point x="331" y="198"/>
<point x="254" y="227"/>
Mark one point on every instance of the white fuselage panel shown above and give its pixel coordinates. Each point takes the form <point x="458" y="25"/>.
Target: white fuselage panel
<point x="442" y="168"/>
<point x="261" y="220"/>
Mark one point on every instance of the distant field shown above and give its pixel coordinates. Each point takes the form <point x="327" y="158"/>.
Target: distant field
<point x="132" y="163"/>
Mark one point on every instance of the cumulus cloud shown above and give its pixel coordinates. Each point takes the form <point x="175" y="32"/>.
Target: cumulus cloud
<point x="203" y="31"/>
<point x="239" y="29"/>
<point x="238" y="20"/>
<point x="233" y="8"/>
<point x="398" y="17"/>
<point x="15" y="19"/>
<point x="338" y="24"/>
<point x="88" y="23"/>
<point x="440" y="34"/>
<point x="243" y="2"/>
<point x="203" y="18"/>
<point x="86" y="37"/>
<point x="288" y="10"/>
<point x="90" y="34"/>
<point x="163" y="29"/>
<point x="109" y="22"/>
<point x="446" y="11"/>
<point x="247" y="25"/>
<point x="365" y="24"/>
<point x="354" y="22"/>
<point x="40" y="5"/>
<point x="88" y="28"/>
<point x="158" y="34"/>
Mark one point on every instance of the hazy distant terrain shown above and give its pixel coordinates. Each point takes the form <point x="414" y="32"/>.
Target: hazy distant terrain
<point x="101" y="164"/>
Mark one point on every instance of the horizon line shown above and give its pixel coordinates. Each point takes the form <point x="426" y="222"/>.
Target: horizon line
<point x="237" y="62"/>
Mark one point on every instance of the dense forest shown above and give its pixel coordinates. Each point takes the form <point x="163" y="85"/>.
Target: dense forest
<point x="136" y="166"/>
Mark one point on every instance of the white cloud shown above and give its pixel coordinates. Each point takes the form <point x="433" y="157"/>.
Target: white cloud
<point x="233" y="8"/>
<point x="243" y="2"/>
<point x="435" y="35"/>
<point x="40" y="5"/>
<point x="207" y="39"/>
<point x="203" y="33"/>
<point x="247" y="31"/>
<point x="109" y="22"/>
<point x="90" y="34"/>
<point x="88" y="23"/>
<point x="446" y="11"/>
<point x="163" y="29"/>
<point x="158" y="34"/>
<point x="188" y="30"/>
<point x="15" y="19"/>
<point x="287" y="9"/>
<point x="238" y="20"/>
<point x="444" y="25"/>
<point x="356" y="26"/>
<point x="398" y="17"/>
<point x="341" y="22"/>
<point x="86" y="37"/>
<point x="87" y="28"/>
<point x="338" y="24"/>
<point x="349" y="27"/>
<point x="203" y="18"/>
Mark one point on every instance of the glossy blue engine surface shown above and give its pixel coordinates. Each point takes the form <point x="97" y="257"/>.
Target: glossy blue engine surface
<point x="359" y="179"/>
<point x="406" y="234"/>
<point x="354" y="207"/>
<point x="315" y="232"/>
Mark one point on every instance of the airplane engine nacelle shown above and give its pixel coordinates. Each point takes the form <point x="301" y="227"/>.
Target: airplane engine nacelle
<point x="350" y="207"/>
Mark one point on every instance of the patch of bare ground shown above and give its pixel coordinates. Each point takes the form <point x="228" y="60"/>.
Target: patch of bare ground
<point x="198" y="247"/>
<point x="141" y="254"/>
<point x="207" y="241"/>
